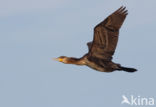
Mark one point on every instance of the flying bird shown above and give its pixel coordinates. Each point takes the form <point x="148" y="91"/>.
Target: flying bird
<point x="102" y="48"/>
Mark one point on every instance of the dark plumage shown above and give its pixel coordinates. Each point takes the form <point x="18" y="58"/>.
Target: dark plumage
<point x="103" y="46"/>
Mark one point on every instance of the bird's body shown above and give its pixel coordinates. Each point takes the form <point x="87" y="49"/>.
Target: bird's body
<point x="94" y="63"/>
<point x="100" y="65"/>
<point x="102" y="48"/>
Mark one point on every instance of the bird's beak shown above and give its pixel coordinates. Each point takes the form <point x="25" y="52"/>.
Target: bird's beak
<point x="58" y="59"/>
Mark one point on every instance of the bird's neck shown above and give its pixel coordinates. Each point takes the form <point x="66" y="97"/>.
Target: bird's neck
<point x="77" y="61"/>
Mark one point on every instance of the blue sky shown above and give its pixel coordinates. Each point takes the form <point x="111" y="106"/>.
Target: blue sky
<point x="34" y="31"/>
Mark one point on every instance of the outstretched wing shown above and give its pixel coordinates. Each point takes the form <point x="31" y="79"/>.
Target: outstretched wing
<point x="106" y="35"/>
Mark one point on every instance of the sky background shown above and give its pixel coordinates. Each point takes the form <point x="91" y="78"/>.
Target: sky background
<point x="34" y="31"/>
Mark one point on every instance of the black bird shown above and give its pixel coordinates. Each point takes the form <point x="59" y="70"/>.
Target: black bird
<point x="102" y="48"/>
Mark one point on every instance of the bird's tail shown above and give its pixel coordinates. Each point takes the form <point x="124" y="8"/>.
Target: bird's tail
<point x="127" y="69"/>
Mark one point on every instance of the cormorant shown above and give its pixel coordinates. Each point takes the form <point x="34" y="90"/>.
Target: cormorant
<point x="102" y="48"/>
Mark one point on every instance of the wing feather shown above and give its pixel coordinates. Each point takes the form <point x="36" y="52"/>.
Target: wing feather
<point x="106" y="35"/>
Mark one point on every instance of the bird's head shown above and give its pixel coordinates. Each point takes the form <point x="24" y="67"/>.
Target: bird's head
<point x="62" y="59"/>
